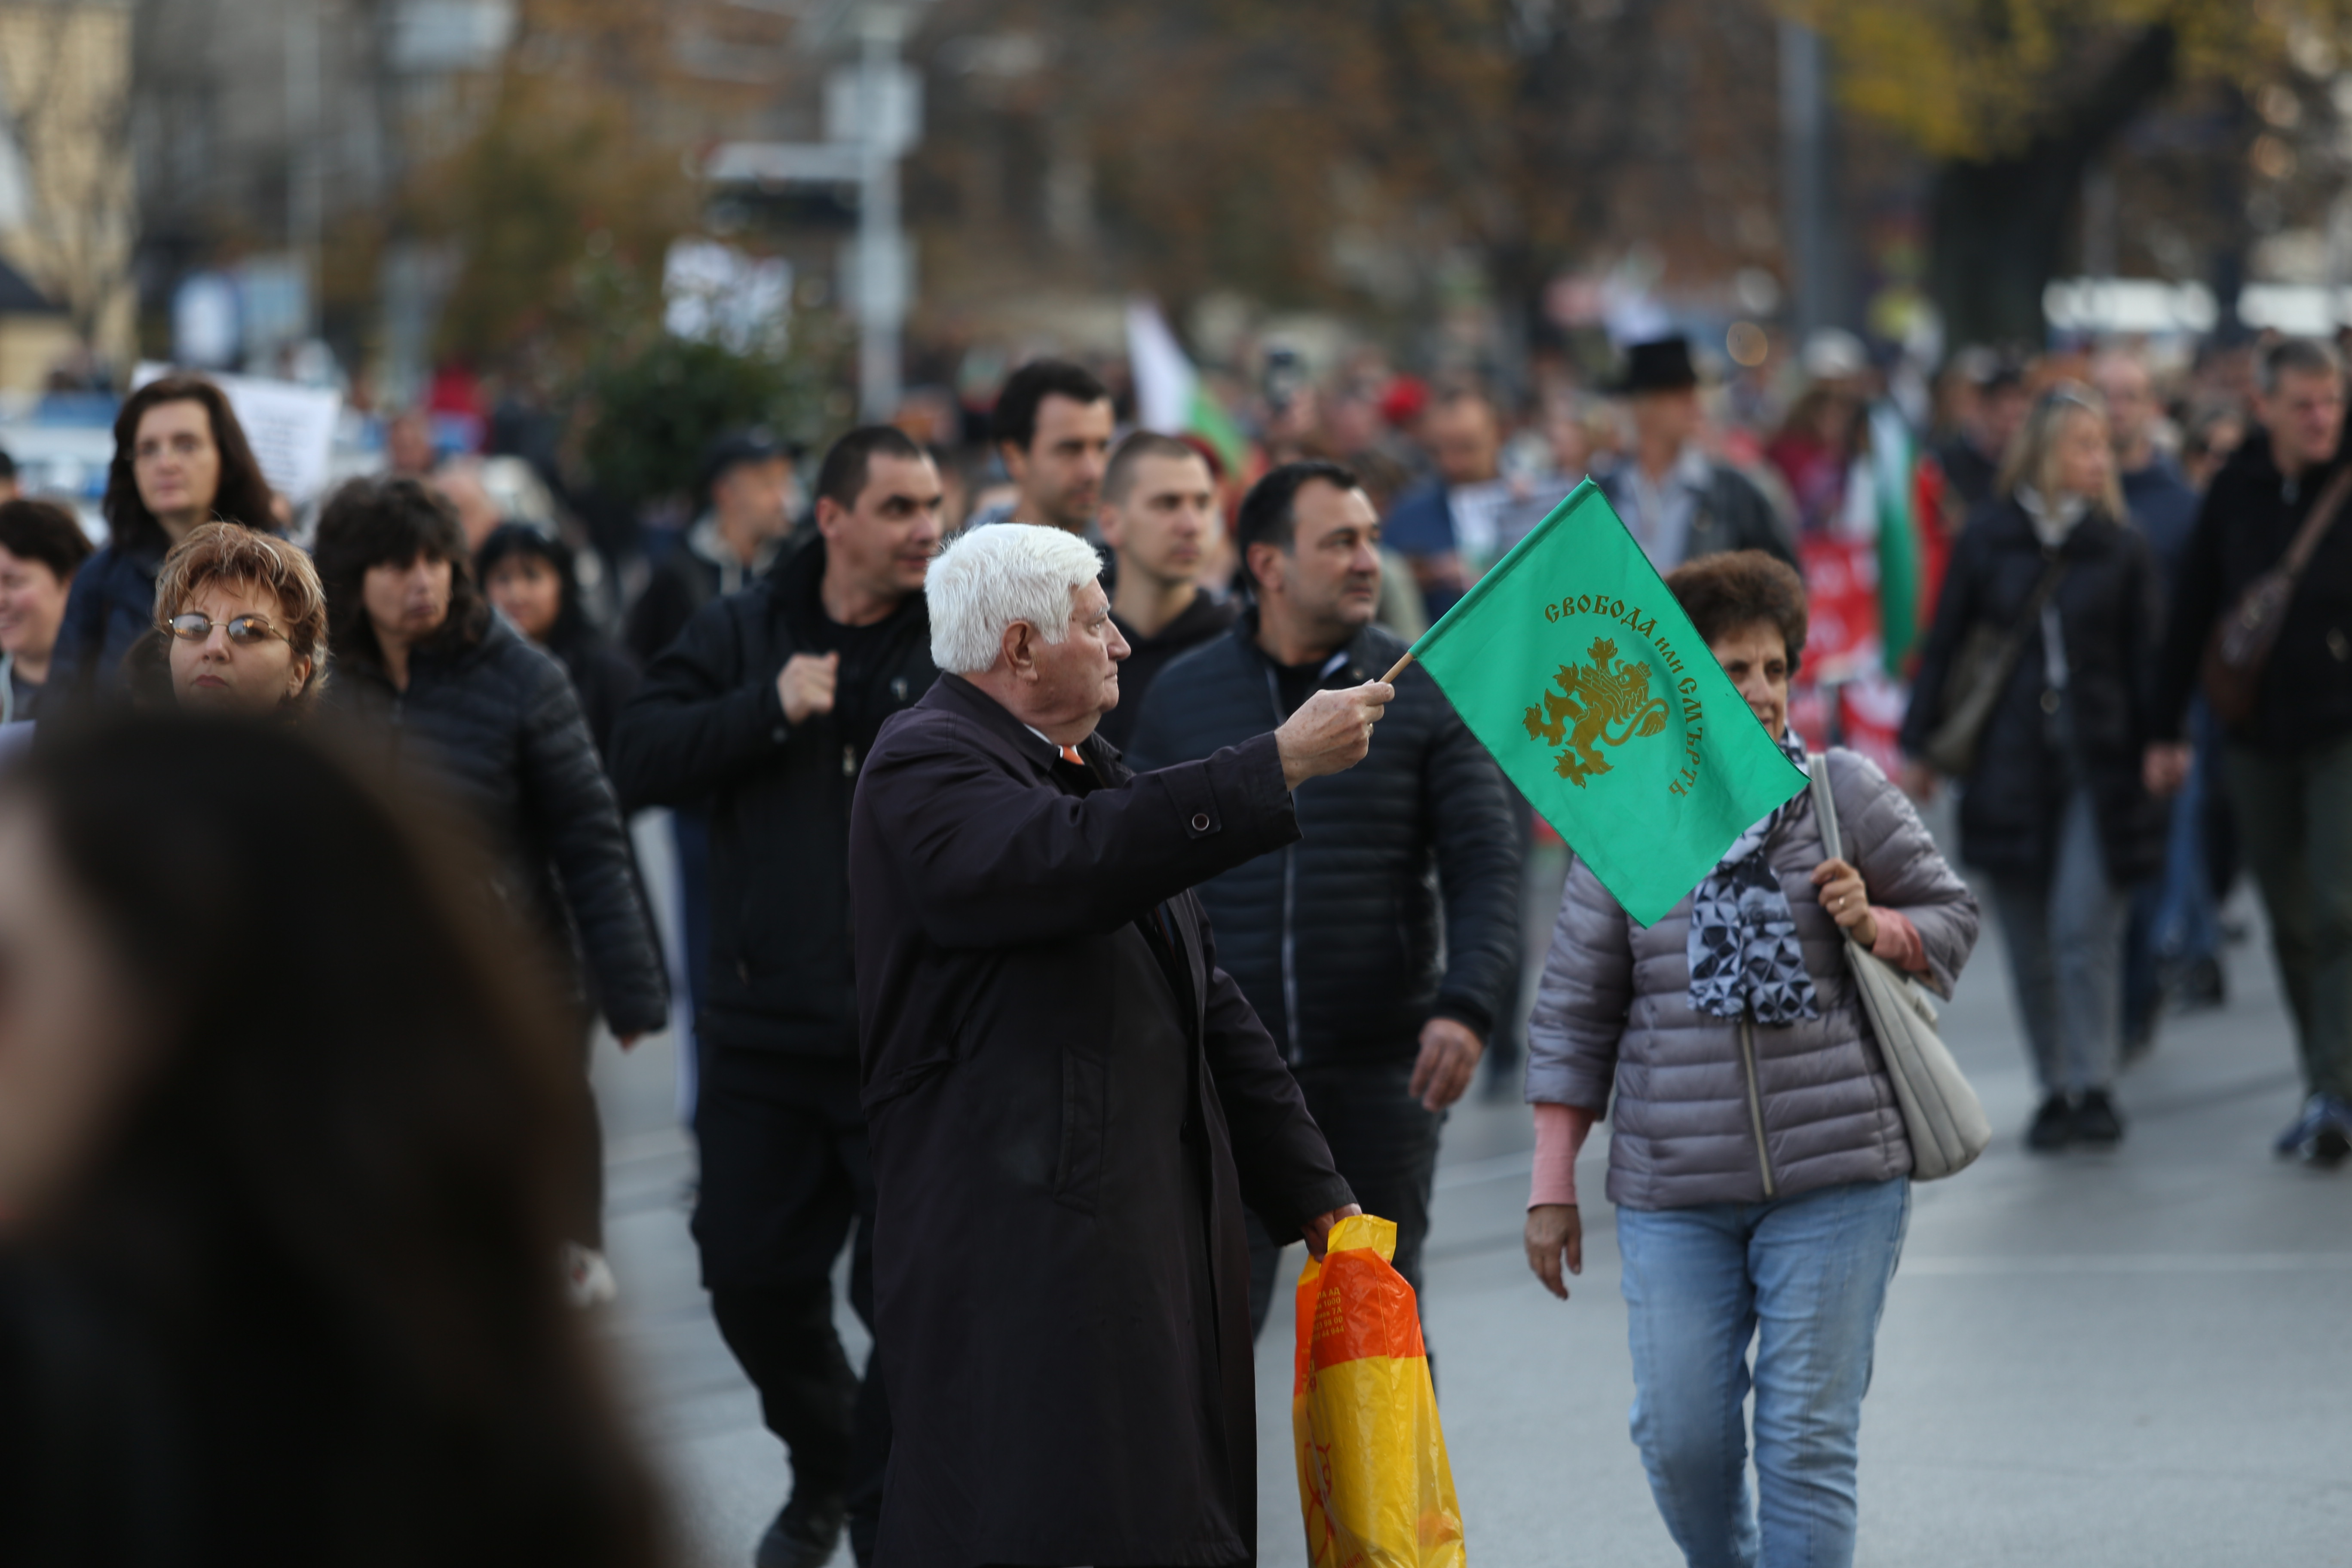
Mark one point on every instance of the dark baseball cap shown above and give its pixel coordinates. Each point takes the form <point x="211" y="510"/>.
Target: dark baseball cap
<point x="756" y="445"/>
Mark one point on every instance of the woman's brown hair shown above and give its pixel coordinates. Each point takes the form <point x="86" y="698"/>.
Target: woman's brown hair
<point x="1723" y="594"/>
<point x="242" y="494"/>
<point x="227" y="552"/>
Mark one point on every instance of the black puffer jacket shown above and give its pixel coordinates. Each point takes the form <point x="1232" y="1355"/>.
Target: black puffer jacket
<point x="707" y="725"/>
<point x="1337" y="940"/>
<point x="2108" y="614"/>
<point x="2251" y="515"/>
<point x="495" y="725"/>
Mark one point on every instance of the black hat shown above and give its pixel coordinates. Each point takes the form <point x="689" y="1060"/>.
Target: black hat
<point x="753" y="446"/>
<point x="1661" y="364"/>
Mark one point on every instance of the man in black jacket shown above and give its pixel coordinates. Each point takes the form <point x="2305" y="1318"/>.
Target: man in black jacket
<point x="1159" y="514"/>
<point x="766" y="705"/>
<point x="1382" y="1008"/>
<point x="2288" y="769"/>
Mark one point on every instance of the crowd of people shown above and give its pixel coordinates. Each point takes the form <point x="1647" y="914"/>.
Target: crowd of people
<point x="1075" y="913"/>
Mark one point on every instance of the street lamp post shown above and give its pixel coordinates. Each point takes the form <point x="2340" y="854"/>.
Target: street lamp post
<point x="881" y="247"/>
<point x="861" y="147"/>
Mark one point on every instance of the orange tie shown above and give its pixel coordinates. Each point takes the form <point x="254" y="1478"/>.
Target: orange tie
<point x="1070" y="755"/>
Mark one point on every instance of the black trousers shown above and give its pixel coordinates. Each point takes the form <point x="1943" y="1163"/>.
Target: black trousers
<point x="785" y="1181"/>
<point x="582" y="1132"/>
<point x="1384" y="1143"/>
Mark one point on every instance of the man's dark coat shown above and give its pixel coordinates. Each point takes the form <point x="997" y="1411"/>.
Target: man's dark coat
<point x="707" y="727"/>
<point x="1338" y="941"/>
<point x="1068" y="1110"/>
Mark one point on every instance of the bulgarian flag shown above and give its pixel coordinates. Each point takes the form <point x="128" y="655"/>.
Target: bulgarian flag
<point x="1580" y="673"/>
<point x="1168" y="395"/>
<point x="1892" y="459"/>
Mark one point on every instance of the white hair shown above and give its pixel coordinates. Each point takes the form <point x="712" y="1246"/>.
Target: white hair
<point x="988" y="578"/>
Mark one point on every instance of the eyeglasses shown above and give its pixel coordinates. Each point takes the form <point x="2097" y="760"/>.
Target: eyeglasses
<point x="243" y="630"/>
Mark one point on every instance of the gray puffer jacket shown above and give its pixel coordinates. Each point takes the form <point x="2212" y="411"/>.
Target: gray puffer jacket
<point x="1720" y="1110"/>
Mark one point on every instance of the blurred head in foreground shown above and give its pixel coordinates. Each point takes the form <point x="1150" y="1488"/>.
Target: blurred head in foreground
<point x="278" y="1172"/>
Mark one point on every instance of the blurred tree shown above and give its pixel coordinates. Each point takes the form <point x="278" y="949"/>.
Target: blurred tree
<point x="2015" y="101"/>
<point x="1270" y="147"/>
<point x="652" y="405"/>
<point x="554" y="182"/>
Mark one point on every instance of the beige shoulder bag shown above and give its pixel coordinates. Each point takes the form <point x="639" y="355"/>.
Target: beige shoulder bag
<point x="1946" y="1122"/>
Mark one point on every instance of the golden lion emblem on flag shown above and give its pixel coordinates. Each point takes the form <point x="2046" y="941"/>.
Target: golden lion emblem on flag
<point x="1606" y="702"/>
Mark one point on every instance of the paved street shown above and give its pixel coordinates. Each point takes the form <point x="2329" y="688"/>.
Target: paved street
<point x="2138" y="1358"/>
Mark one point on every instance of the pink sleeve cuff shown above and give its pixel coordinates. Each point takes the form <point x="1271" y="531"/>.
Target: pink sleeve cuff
<point x="1561" y="1132"/>
<point x="1898" y="941"/>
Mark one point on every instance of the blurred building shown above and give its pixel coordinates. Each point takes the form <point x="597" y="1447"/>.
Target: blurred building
<point x="66" y="203"/>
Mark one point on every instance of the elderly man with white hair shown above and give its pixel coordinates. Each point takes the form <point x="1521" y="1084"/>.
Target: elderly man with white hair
<point x="1069" y="1103"/>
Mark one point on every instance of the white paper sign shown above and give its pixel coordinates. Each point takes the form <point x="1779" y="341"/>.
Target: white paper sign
<point x="291" y="427"/>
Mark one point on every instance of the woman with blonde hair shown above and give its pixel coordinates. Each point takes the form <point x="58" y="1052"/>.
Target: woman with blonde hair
<point x="2053" y="807"/>
<point x="240" y="625"/>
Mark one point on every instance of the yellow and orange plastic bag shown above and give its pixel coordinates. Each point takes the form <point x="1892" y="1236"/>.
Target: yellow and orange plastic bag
<point x="1374" y="1481"/>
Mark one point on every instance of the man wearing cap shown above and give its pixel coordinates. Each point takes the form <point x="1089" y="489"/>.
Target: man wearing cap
<point x="745" y="486"/>
<point x="1991" y="412"/>
<point x="1679" y="502"/>
<point x="745" y="483"/>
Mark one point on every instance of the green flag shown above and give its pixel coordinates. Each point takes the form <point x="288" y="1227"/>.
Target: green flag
<point x="1576" y="666"/>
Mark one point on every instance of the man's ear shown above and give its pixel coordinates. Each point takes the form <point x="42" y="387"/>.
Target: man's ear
<point x="829" y="515"/>
<point x="1016" y="462"/>
<point x="1264" y="567"/>
<point x="1108" y="522"/>
<point x="298" y="676"/>
<point x="1019" y="650"/>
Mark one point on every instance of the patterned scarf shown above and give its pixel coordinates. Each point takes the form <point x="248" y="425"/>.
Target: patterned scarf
<point x="1744" y="951"/>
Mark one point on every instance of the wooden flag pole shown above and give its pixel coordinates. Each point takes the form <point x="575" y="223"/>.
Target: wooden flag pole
<point x="1396" y="669"/>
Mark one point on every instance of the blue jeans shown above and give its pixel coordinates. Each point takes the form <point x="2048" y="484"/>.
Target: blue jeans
<point x="1805" y="1278"/>
<point x="2065" y="940"/>
<point x="2176" y="921"/>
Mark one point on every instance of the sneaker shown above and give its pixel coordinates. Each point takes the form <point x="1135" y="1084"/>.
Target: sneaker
<point x="2331" y="1138"/>
<point x="2054" y="1126"/>
<point x="2095" y="1121"/>
<point x="587" y="1279"/>
<point x="2201" y="985"/>
<point x="2303" y="1129"/>
<point x="803" y="1535"/>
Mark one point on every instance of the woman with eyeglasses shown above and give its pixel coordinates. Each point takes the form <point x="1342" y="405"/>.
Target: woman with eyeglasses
<point x="2054" y="806"/>
<point x="240" y="627"/>
<point x="454" y="697"/>
<point x="181" y="460"/>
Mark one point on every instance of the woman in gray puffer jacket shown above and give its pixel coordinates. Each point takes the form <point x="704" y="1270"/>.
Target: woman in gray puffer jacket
<point x="1757" y="1158"/>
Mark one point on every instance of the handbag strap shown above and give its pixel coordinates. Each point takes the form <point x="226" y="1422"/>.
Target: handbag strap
<point x="2012" y="644"/>
<point x="2315" y="527"/>
<point x="2043" y="588"/>
<point x="1825" y="817"/>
